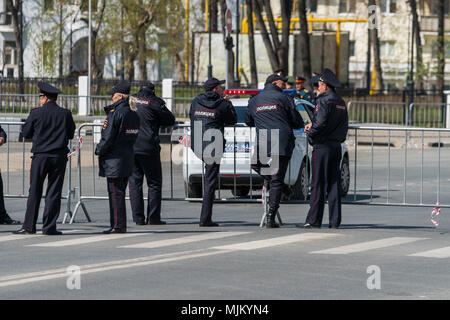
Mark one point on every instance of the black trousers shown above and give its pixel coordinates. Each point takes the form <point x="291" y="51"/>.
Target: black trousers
<point x="210" y="178"/>
<point x="53" y="167"/>
<point x="3" y="212"/>
<point x="326" y="183"/>
<point x="275" y="181"/>
<point x="117" y="206"/>
<point x="150" y="167"/>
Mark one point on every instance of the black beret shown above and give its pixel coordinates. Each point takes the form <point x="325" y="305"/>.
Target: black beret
<point x="122" y="87"/>
<point x="275" y="77"/>
<point x="48" y="89"/>
<point x="329" y="78"/>
<point x="210" y="84"/>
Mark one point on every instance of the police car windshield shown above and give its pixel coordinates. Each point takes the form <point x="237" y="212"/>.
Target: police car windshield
<point x="303" y="112"/>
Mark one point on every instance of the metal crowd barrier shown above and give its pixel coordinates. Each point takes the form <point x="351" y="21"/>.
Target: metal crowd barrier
<point x="395" y="166"/>
<point x="23" y="103"/>
<point x="427" y="115"/>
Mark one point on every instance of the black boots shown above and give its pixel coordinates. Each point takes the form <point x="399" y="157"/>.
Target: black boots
<point x="270" y="223"/>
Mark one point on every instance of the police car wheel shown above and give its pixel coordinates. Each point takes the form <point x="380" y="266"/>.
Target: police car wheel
<point x="240" y="192"/>
<point x="193" y="190"/>
<point x="345" y="176"/>
<point x="301" y="186"/>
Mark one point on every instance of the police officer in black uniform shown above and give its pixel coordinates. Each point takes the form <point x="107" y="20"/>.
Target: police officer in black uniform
<point x="4" y="217"/>
<point x="153" y="114"/>
<point x="51" y="127"/>
<point x="326" y="133"/>
<point x="210" y="110"/>
<point x="115" y="151"/>
<point x="273" y="110"/>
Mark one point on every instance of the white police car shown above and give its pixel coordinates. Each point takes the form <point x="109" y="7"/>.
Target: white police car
<point x="235" y="171"/>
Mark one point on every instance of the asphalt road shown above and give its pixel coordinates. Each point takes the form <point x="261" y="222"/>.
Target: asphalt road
<point x="396" y="252"/>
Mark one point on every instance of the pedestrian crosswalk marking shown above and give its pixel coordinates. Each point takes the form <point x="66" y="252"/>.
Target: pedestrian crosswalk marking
<point x="183" y="240"/>
<point x="13" y="237"/>
<point x="259" y="244"/>
<point x="369" y="245"/>
<point x="87" y="240"/>
<point x="435" y="253"/>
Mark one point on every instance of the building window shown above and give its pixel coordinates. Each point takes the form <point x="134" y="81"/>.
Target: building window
<point x="435" y="6"/>
<point x="347" y="6"/>
<point x="351" y="48"/>
<point x="388" y="6"/>
<point x="10" y="52"/>
<point x="387" y="49"/>
<point x="311" y="5"/>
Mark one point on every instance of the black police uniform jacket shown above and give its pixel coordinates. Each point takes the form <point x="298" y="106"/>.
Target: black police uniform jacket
<point x="119" y="133"/>
<point x="212" y="112"/>
<point x="51" y="127"/>
<point x="330" y="121"/>
<point x="153" y="114"/>
<point x="3" y="134"/>
<point x="273" y="109"/>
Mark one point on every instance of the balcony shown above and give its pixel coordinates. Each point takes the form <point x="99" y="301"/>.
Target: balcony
<point x="430" y="23"/>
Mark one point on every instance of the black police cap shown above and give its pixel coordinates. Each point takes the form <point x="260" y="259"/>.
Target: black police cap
<point x="300" y="79"/>
<point x="211" y="83"/>
<point x="329" y="78"/>
<point x="275" y="77"/>
<point x="315" y="80"/>
<point x="122" y="87"/>
<point x="149" y="85"/>
<point x="48" y="89"/>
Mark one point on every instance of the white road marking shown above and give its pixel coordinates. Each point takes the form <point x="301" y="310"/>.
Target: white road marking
<point x="107" y="266"/>
<point x="369" y="245"/>
<point x="183" y="240"/>
<point x="435" y="253"/>
<point x="259" y="244"/>
<point x="86" y="240"/>
<point x="13" y="237"/>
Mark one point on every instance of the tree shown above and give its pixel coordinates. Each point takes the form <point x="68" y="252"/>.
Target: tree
<point x="373" y="33"/>
<point x="304" y="39"/>
<point x="251" y="44"/>
<point x="277" y="50"/>
<point x="440" y="45"/>
<point x="16" y="11"/>
<point x="420" y="68"/>
<point x="228" y="42"/>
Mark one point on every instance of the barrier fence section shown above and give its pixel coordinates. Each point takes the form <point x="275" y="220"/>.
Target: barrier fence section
<point x="17" y="160"/>
<point x="395" y="166"/>
<point x="417" y="114"/>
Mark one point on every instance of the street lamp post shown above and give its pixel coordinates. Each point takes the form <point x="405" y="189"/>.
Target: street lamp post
<point x="209" y="34"/>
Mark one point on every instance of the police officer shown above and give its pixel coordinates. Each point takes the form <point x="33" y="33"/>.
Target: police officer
<point x="302" y="92"/>
<point x="153" y="114"/>
<point x="115" y="151"/>
<point x="4" y="217"/>
<point x="326" y="132"/>
<point x="51" y="127"/>
<point x="273" y="110"/>
<point x="210" y="112"/>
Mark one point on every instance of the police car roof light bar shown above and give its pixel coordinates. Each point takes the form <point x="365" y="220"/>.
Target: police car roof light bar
<point x="254" y="91"/>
